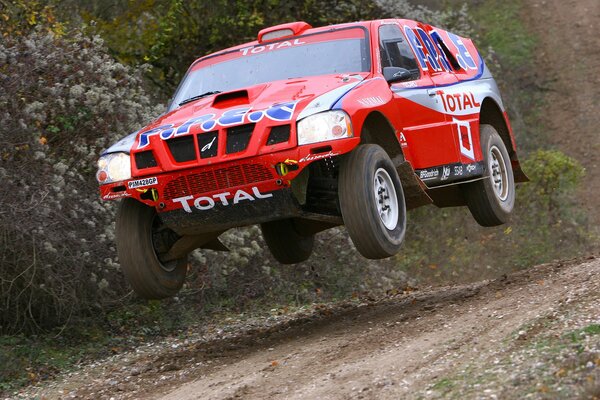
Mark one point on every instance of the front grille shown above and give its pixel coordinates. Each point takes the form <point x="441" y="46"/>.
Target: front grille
<point x="279" y="134"/>
<point x="229" y="177"/>
<point x="182" y="148"/>
<point x="145" y="159"/>
<point x="218" y="179"/>
<point x="177" y="188"/>
<point x="202" y="182"/>
<point x="238" y="138"/>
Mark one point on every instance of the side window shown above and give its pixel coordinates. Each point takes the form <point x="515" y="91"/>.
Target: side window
<point x="395" y="51"/>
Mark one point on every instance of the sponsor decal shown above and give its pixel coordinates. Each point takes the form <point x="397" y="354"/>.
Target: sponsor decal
<point x="277" y="112"/>
<point x="459" y="101"/>
<point x="465" y="138"/>
<point x="429" y="53"/>
<point x="445" y="172"/>
<point x="204" y="203"/>
<point x="208" y="145"/>
<point x="314" y="157"/>
<point x="117" y="195"/>
<point x="462" y="55"/>
<point x="138" y="183"/>
<point x="371" y="101"/>
<point x="450" y="173"/>
<point x="409" y="84"/>
<point x="272" y="46"/>
<point x="428" y="174"/>
<point x="403" y="142"/>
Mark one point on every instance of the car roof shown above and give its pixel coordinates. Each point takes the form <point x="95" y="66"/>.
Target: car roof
<point x="321" y="29"/>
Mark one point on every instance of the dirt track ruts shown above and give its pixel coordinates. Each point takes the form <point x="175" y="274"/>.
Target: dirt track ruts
<point x="395" y="347"/>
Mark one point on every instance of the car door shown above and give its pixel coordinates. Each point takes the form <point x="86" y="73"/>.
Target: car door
<point x="426" y="130"/>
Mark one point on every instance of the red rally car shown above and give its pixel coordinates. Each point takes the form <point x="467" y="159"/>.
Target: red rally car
<point x="306" y="129"/>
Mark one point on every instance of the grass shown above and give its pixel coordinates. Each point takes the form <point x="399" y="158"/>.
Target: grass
<point x="503" y="29"/>
<point x="27" y="360"/>
<point x="579" y="335"/>
<point x="443" y="385"/>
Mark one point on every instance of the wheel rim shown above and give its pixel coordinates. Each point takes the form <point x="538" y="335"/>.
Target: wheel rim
<point x="162" y="240"/>
<point x="498" y="173"/>
<point x="386" y="199"/>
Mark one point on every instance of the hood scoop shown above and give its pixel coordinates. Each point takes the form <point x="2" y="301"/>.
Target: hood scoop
<point x="229" y="99"/>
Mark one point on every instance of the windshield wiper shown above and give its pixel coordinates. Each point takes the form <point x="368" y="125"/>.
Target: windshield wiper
<point x="199" y="97"/>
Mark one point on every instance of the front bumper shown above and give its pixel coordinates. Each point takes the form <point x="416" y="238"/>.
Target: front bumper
<point x="250" y="190"/>
<point x="275" y="205"/>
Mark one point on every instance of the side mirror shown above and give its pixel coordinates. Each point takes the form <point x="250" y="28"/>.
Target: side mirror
<point x="396" y="74"/>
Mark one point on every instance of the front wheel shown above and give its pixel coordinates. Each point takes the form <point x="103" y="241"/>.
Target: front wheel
<point x="491" y="200"/>
<point x="372" y="202"/>
<point x="141" y="240"/>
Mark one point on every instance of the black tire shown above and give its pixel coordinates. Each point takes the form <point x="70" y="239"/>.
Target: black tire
<point x="363" y="210"/>
<point x="285" y="243"/>
<point x="491" y="200"/>
<point x="138" y="232"/>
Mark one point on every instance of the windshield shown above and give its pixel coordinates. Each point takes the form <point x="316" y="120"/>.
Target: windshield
<point x="334" y="52"/>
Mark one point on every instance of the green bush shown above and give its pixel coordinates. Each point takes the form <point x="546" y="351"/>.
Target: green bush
<point x="546" y="225"/>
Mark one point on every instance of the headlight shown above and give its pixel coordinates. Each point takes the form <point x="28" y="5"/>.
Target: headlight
<point x="330" y="125"/>
<point x="113" y="167"/>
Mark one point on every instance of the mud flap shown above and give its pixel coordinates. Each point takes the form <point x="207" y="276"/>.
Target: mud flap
<point x="414" y="193"/>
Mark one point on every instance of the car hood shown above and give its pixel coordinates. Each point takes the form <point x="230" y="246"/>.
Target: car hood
<point x="265" y="104"/>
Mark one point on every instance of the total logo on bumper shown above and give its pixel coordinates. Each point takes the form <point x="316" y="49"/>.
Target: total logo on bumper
<point x="204" y="203"/>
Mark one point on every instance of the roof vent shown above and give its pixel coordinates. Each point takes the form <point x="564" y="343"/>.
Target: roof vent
<point x="282" y="31"/>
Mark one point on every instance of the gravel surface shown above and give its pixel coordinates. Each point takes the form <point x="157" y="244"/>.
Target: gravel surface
<point x="533" y="334"/>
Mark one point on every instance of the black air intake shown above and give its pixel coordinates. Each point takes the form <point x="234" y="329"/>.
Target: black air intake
<point x="182" y="148"/>
<point x="238" y="138"/>
<point x="279" y="134"/>
<point x="145" y="159"/>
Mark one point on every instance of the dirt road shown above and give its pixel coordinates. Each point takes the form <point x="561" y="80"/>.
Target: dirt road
<point x="534" y="332"/>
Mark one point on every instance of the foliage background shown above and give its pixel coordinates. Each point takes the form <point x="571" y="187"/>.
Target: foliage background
<point x="78" y="75"/>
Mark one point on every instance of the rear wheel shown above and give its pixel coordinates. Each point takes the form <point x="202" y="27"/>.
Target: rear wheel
<point x="372" y="202"/>
<point x="286" y="244"/>
<point x="141" y="240"/>
<point x="491" y="200"/>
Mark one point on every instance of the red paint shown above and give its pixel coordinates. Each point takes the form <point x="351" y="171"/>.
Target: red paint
<point x="423" y="114"/>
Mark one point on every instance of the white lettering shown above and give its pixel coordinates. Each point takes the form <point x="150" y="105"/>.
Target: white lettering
<point x="184" y="202"/>
<point x="259" y="195"/>
<point x="272" y="46"/>
<point x="208" y="145"/>
<point x="314" y="157"/>
<point x="241" y="195"/>
<point x="199" y="206"/>
<point x="204" y="203"/>
<point x="221" y="196"/>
